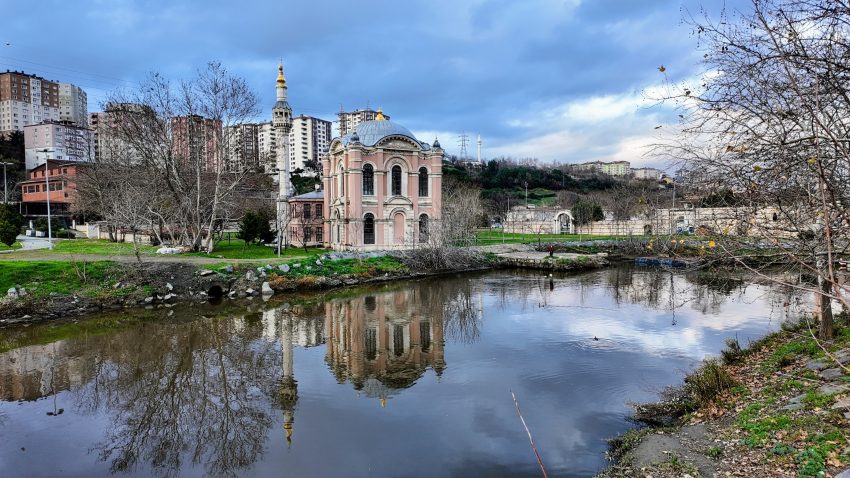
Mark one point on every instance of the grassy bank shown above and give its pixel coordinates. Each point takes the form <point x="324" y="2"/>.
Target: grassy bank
<point x="41" y="278"/>
<point x="15" y="245"/>
<point x="499" y="237"/>
<point x="777" y="408"/>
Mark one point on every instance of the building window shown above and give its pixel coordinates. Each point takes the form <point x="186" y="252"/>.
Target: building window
<point x="396" y="180"/>
<point x="423" y="228"/>
<point x="423" y="182"/>
<point x="369" y="229"/>
<point x="368" y="180"/>
<point x="306" y="211"/>
<point x="320" y="232"/>
<point x="308" y="234"/>
<point x="318" y="211"/>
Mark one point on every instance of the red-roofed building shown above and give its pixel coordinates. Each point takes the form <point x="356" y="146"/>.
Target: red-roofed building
<point x="62" y="178"/>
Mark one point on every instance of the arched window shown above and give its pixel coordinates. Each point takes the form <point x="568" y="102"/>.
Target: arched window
<point x="423" y="228"/>
<point x="368" y="180"/>
<point x="423" y="182"/>
<point x="369" y="229"/>
<point x="396" y="180"/>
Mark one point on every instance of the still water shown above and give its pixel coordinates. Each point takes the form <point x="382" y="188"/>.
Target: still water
<point x="404" y="380"/>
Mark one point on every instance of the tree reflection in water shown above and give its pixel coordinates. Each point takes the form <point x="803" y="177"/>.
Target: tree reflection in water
<point x="206" y="391"/>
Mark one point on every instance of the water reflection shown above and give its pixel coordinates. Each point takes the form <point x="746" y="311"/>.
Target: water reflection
<point x="382" y="343"/>
<point x="214" y="392"/>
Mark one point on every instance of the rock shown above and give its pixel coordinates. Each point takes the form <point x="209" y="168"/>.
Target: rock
<point x="269" y="267"/>
<point x="267" y="289"/>
<point x="22" y="292"/>
<point x="231" y="294"/>
<point x="844" y="474"/>
<point x="250" y="291"/>
<point x="148" y="300"/>
<point x="832" y="389"/>
<point x="283" y="268"/>
<point x="817" y="365"/>
<point x="843" y="403"/>
<point x="228" y="269"/>
<point x="169" y="250"/>
<point x="797" y="399"/>
<point x="318" y="262"/>
<point x="205" y="272"/>
<point x="250" y="276"/>
<point x="169" y="297"/>
<point x="12" y="293"/>
<point x="117" y="285"/>
<point x="847" y="416"/>
<point x="793" y="406"/>
<point x="832" y="373"/>
<point x="260" y="270"/>
<point x="297" y="264"/>
<point x="169" y="286"/>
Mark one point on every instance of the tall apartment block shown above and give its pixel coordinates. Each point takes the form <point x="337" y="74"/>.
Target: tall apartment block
<point x="267" y="147"/>
<point x="196" y="141"/>
<point x="28" y="99"/>
<point x="73" y="104"/>
<point x="60" y="141"/>
<point x="348" y="120"/>
<point x="243" y="149"/>
<point x="25" y="100"/>
<point x="309" y="140"/>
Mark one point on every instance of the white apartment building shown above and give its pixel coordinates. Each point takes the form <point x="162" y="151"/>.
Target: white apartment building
<point x="349" y="119"/>
<point x="647" y="173"/>
<point x="309" y="140"/>
<point x="25" y="100"/>
<point x="60" y="141"/>
<point x="267" y="147"/>
<point x="73" y="105"/>
<point x="242" y="146"/>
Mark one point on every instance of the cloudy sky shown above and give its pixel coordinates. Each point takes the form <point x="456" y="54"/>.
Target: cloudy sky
<point x="558" y="80"/>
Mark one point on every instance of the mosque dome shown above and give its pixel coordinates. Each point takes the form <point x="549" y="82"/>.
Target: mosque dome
<point x="372" y="132"/>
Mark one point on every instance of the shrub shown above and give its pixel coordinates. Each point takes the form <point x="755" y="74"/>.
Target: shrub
<point x="733" y="353"/>
<point x="11" y="223"/>
<point x="707" y="382"/>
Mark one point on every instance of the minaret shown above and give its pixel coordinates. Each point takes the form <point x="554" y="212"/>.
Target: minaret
<point x="282" y="123"/>
<point x="288" y="385"/>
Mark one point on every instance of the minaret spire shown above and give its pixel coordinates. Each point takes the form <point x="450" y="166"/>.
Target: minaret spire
<point x="282" y="123"/>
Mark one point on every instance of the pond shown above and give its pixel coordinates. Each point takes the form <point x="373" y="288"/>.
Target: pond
<point x="406" y="379"/>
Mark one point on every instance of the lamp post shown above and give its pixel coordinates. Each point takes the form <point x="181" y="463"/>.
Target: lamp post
<point x="5" y="184"/>
<point x="47" y="195"/>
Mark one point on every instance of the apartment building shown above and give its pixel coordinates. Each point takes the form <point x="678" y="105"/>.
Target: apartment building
<point x="267" y="147"/>
<point x="196" y="141"/>
<point x="309" y="140"/>
<point x="614" y="168"/>
<point x="73" y="105"/>
<point x="243" y="147"/>
<point x="63" y="141"/>
<point x="25" y="100"/>
<point x="349" y="119"/>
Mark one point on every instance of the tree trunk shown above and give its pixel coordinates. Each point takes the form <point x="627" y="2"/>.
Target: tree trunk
<point x="823" y="302"/>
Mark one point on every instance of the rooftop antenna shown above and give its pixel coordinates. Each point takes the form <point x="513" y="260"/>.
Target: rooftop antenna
<point x="462" y="141"/>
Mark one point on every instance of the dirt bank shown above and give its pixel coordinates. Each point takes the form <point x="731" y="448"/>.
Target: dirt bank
<point x="778" y="409"/>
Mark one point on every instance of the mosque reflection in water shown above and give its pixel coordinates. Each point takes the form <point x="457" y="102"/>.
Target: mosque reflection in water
<point x="381" y="344"/>
<point x="209" y="388"/>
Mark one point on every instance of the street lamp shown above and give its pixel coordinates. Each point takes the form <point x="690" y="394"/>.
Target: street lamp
<point x="47" y="195"/>
<point x="5" y="184"/>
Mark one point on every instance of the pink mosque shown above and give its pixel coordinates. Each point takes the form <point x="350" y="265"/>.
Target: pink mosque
<point x="382" y="188"/>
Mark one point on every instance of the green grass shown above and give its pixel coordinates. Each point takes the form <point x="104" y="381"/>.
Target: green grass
<point x="15" y="245"/>
<point x="100" y="247"/>
<point x="371" y="266"/>
<point x="44" y="277"/>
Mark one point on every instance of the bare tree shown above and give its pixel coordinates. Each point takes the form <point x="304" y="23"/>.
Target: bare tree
<point x="770" y="121"/>
<point x="179" y="135"/>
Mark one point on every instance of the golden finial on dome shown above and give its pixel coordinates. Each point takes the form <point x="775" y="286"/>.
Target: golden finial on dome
<point x="380" y="115"/>
<point x="280" y="79"/>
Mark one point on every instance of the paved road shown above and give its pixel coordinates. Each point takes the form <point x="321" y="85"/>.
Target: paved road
<point x="33" y="243"/>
